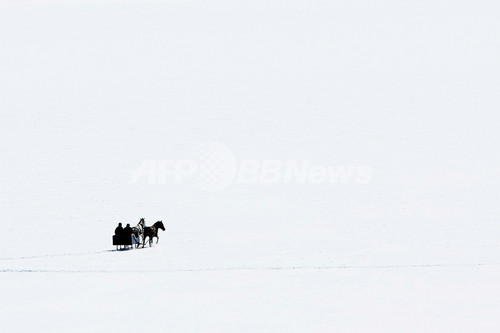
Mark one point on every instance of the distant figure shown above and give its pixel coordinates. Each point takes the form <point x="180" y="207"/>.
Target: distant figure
<point x="119" y="230"/>
<point x="131" y="232"/>
<point x="127" y="231"/>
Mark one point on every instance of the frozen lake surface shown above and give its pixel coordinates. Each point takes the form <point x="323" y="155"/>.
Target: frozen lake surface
<point x="406" y="94"/>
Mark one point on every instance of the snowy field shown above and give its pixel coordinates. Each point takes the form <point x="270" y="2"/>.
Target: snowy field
<point x="405" y="92"/>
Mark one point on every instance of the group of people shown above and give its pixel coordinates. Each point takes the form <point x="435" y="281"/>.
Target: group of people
<point x="121" y="231"/>
<point x="126" y="233"/>
<point x="129" y="235"/>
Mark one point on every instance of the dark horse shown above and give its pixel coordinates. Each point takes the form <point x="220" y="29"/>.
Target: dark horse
<point x="152" y="232"/>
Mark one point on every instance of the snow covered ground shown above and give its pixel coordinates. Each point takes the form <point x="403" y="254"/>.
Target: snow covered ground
<point x="90" y="91"/>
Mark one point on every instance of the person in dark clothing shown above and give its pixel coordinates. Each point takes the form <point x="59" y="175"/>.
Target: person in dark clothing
<point x="119" y="230"/>
<point x="127" y="231"/>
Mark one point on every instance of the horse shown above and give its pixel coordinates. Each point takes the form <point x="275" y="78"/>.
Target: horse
<point x="152" y="232"/>
<point x="138" y="230"/>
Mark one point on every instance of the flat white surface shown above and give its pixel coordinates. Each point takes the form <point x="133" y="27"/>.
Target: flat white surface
<point x="89" y="89"/>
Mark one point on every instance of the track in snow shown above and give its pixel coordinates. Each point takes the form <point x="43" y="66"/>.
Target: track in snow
<point x="268" y="268"/>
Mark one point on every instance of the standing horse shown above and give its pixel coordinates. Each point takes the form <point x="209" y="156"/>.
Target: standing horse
<point x="138" y="230"/>
<point x="152" y="232"/>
